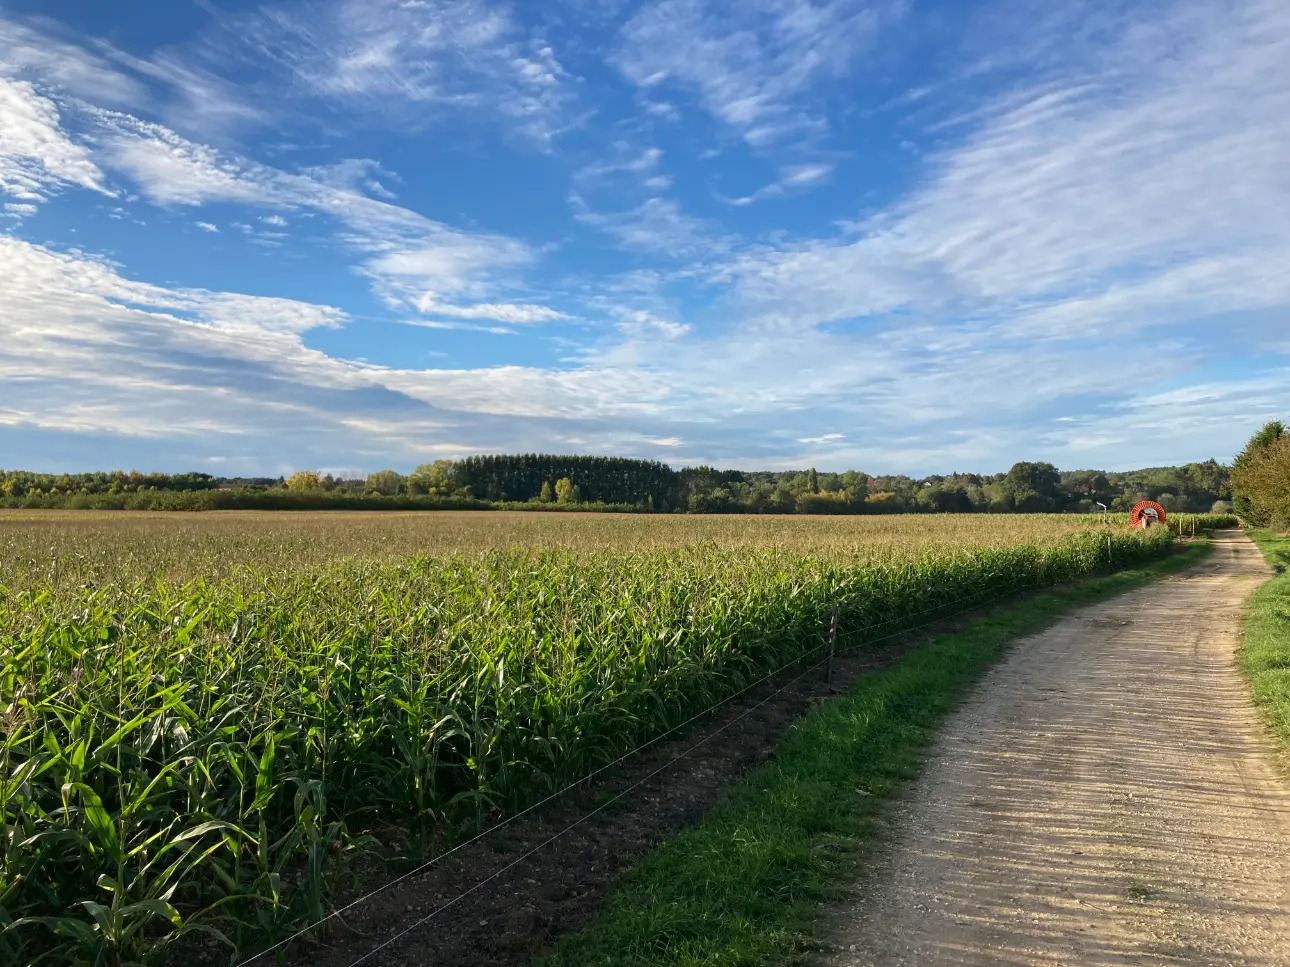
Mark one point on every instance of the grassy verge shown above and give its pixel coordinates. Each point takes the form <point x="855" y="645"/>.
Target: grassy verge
<point x="1265" y="648"/>
<point x="744" y="886"/>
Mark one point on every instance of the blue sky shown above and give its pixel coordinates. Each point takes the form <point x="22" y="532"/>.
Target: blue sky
<point x="898" y="236"/>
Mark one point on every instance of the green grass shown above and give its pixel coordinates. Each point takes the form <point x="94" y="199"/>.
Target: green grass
<point x="744" y="886"/>
<point x="1265" y="649"/>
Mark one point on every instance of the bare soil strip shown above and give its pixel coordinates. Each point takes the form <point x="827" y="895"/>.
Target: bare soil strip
<point x="1105" y="796"/>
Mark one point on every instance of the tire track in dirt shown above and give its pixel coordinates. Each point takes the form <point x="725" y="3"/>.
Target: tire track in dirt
<point x="1105" y="796"/>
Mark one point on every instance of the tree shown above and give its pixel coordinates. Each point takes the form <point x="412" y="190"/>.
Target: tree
<point x="1031" y="486"/>
<point x="1261" y="478"/>
<point x="566" y="491"/>
<point x="946" y="498"/>
<point x="812" y="481"/>
<point x="547" y="495"/>
<point x="883" y="502"/>
<point x="1087" y="483"/>
<point x="304" y="481"/>
<point x="437" y="478"/>
<point x="387" y="482"/>
<point x="855" y="483"/>
<point x="824" y="503"/>
<point x="610" y="480"/>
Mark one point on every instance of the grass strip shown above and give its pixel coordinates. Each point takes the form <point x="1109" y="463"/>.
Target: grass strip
<point x="1264" y="656"/>
<point x="745" y="885"/>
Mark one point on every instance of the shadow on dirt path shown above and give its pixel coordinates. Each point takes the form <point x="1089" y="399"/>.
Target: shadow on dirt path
<point x="1105" y="796"/>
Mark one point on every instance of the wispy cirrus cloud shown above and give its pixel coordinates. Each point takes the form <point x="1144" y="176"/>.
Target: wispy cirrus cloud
<point x="623" y="161"/>
<point x="398" y="58"/>
<point x="363" y="175"/>
<point x="180" y="88"/>
<point x="657" y="225"/>
<point x="36" y="49"/>
<point x="791" y="177"/>
<point x="754" y="65"/>
<point x="1082" y="201"/>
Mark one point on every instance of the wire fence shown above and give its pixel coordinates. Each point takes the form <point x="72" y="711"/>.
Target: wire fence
<point x="831" y="644"/>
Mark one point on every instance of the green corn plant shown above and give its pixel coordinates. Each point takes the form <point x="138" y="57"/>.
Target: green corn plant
<point x="200" y="725"/>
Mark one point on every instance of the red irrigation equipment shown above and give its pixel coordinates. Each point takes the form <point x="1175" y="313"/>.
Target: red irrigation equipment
<point x="1146" y="513"/>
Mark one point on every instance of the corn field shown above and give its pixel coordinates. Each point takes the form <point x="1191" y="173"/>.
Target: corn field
<point x="205" y="721"/>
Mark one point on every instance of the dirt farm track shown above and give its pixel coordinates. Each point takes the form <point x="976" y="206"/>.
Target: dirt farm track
<point x="1104" y="797"/>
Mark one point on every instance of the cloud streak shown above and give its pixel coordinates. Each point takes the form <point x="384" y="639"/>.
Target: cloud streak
<point x="397" y="58"/>
<point x="1078" y="204"/>
<point x="36" y="157"/>
<point x="752" y="65"/>
<point x="404" y="253"/>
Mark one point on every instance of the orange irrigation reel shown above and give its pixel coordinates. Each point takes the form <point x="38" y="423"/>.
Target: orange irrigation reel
<point x="1146" y="513"/>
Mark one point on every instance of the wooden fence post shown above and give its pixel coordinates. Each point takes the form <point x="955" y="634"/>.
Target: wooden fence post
<point x="833" y="641"/>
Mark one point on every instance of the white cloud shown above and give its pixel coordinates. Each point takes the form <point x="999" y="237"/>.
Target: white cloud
<point x="794" y="175"/>
<point x="182" y="363"/>
<point x="363" y="175"/>
<point x="626" y="162"/>
<point x="643" y="324"/>
<point x="1155" y="426"/>
<point x="399" y="57"/>
<point x="403" y="252"/>
<point x="1052" y="258"/>
<point x="515" y="313"/>
<point x="171" y="170"/>
<point x="754" y="64"/>
<point x="1084" y="205"/>
<point x="790" y="177"/>
<point x="657" y="225"/>
<point x="176" y="86"/>
<point x="65" y="66"/>
<point x="440" y="259"/>
<point x="523" y="391"/>
<point x="36" y="157"/>
<point x="199" y="101"/>
<point x="826" y="438"/>
<point x="148" y="360"/>
<point x="160" y="362"/>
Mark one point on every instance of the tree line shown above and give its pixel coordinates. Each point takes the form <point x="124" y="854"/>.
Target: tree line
<point x="547" y="481"/>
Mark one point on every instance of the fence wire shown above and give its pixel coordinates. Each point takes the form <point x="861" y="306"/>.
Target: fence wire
<point x="841" y="643"/>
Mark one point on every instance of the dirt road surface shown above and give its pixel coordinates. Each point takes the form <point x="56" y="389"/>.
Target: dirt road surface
<point x="1106" y="796"/>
